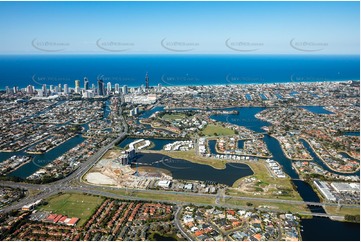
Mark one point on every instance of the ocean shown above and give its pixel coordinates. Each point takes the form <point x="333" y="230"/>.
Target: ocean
<point x="168" y="70"/>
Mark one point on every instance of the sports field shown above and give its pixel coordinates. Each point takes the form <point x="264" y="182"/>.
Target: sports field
<point x="73" y="205"/>
<point x="216" y="130"/>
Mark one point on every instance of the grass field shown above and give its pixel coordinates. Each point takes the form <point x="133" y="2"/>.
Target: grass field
<point x="73" y="205"/>
<point x="342" y="211"/>
<point x="175" y="116"/>
<point x="261" y="173"/>
<point x="164" y="197"/>
<point x="273" y="205"/>
<point x="217" y="130"/>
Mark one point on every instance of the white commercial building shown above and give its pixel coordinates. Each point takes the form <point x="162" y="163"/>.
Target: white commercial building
<point x="325" y="191"/>
<point x="164" y="184"/>
<point x="345" y="187"/>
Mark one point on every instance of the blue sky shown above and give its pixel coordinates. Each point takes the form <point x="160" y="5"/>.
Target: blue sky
<point x="180" y="27"/>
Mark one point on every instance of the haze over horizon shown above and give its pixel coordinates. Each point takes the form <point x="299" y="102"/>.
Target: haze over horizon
<point x="323" y="28"/>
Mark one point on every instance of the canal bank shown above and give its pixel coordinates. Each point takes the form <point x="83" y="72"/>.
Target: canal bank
<point x="315" y="228"/>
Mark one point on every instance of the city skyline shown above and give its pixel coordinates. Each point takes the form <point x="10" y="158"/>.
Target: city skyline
<point x="181" y="28"/>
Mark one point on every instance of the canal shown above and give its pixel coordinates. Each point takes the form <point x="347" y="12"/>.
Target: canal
<point x="41" y="160"/>
<point x="320" y="229"/>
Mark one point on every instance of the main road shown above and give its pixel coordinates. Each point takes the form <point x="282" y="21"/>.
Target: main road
<point x="46" y="190"/>
<point x="74" y="183"/>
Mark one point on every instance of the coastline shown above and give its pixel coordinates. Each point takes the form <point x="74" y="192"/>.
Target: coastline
<point x="288" y="82"/>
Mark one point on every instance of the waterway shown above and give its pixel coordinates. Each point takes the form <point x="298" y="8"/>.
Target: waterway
<point x="317" y="229"/>
<point x="354" y="133"/>
<point x="245" y="117"/>
<point x="313" y="229"/>
<point x="41" y="160"/>
<point x="324" y="229"/>
<point x="316" y="109"/>
<point x="150" y="112"/>
<point x="317" y="160"/>
<point x="185" y="170"/>
<point x="44" y="159"/>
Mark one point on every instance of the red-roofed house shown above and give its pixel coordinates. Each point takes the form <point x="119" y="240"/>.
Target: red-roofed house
<point x="51" y="217"/>
<point x="73" y="221"/>
<point x="62" y="219"/>
<point x="57" y="218"/>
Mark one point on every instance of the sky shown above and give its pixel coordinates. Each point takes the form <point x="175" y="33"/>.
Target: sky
<point x="180" y="27"/>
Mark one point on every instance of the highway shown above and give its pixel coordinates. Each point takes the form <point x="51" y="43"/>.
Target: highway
<point x="74" y="183"/>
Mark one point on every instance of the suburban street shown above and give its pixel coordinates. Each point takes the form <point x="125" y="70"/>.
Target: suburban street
<point x="74" y="183"/>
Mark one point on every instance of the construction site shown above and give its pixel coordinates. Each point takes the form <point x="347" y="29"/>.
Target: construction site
<point x="112" y="170"/>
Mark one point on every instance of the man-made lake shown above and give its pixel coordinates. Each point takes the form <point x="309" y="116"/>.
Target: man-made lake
<point x="313" y="229"/>
<point x="185" y="170"/>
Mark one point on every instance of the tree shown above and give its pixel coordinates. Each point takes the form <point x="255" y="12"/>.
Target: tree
<point x="352" y="218"/>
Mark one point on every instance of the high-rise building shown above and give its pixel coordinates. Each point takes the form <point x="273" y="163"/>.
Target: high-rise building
<point x="51" y="87"/>
<point x="44" y="90"/>
<point x="109" y="88"/>
<point x="86" y="83"/>
<point x="40" y="93"/>
<point x="29" y="89"/>
<point x="7" y="90"/>
<point x="116" y="88"/>
<point x="136" y="111"/>
<point x="66" y="88"/>
<point x="59" y="88"/>
<point x="77" y="86"/>
<point x="131" y="153"/>
<point x="100" y="88"/>
<point x="15" y="88"/>
<point x="125" y="89"/>
<point x="146" y="81"/>
<point x="88" y="94"/>
<point x="124" y="160"/>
